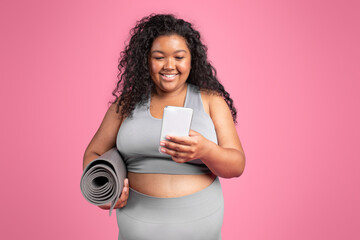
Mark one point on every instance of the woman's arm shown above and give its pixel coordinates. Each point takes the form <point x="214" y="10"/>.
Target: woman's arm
<point x="225" y="159"/>
<point x="103" y="140"/>
<point x="105" y="137"/>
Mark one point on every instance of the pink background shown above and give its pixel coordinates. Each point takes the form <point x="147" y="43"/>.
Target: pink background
<point x="292" y="68"/>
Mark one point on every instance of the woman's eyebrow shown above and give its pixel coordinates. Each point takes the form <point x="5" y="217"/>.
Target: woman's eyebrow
<point x="180" y="50"/>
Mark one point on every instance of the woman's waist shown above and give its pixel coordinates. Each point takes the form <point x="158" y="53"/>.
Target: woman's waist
<point x="169" y="185"/>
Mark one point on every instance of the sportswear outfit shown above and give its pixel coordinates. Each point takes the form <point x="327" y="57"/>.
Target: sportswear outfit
<point x="195" y="216"/>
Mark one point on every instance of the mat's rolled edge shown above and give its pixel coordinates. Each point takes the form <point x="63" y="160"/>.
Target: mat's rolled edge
<point x="114" y="158"/>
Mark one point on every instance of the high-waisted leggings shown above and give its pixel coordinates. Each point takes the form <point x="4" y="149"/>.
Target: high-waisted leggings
<point x="196" y="216"/>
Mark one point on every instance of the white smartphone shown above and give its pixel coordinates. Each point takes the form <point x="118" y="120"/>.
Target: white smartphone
<point x="176" y="121"/>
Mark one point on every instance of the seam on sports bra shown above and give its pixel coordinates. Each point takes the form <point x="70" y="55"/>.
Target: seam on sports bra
<point x="202" y="109"/>
<point x="202" y="105"/>
<point x="188" y="89"/>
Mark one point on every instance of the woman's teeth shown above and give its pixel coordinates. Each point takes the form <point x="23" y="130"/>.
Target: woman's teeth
<point x="168" y="77"/>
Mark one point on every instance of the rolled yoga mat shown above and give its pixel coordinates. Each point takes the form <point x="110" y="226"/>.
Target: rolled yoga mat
<point x="103" y="179"/>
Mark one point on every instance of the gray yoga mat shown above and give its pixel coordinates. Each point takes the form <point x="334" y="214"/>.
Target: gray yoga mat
<point x="103" y="179"/>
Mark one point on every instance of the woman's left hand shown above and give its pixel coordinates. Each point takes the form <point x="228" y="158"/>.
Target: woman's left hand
<point x="184" y="149"/>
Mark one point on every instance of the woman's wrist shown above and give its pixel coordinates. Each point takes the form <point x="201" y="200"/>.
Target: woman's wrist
<point x="208" y="151"/>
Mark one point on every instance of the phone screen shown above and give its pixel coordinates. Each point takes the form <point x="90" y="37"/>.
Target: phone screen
<point x="176" y="121"/>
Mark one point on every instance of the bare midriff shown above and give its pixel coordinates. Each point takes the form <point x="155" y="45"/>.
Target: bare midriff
<point x="169" y="186"/>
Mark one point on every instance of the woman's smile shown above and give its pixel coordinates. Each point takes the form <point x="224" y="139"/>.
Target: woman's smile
<point x="168" y="77"/>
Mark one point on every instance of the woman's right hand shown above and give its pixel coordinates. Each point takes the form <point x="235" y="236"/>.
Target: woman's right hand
<point x="123" y="197"/>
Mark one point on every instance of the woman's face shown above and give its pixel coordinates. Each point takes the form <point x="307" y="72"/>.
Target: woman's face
<point x="169" y="62"/>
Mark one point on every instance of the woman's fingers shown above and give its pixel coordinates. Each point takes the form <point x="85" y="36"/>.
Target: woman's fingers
<point x="179" y="153"/>
<point x="124" y="195"/>
<point x="105" y="207"/>
<point x="185" y="140"/>
<point x="175" y="146"/>
<point x="181" y="149"/>
<point x="177" y="156"/>
<point x="190" y="140"/>
<point x="184" y="149"/>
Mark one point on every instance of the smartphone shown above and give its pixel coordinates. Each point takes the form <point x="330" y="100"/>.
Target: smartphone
<point x="176" y="121"/>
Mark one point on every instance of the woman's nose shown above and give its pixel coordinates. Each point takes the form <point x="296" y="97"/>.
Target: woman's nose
<point x="169" y="64"/>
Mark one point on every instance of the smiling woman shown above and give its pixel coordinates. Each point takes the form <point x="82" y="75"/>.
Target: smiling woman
<point x="175" y="194"/>
<point x="169" y="62"/>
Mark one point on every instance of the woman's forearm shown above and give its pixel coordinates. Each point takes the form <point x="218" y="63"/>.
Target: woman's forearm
<point x="224" y="162"/>
<point x="88" y="157"/>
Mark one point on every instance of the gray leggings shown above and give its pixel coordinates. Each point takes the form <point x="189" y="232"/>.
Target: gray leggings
<point x="195" y="216"/>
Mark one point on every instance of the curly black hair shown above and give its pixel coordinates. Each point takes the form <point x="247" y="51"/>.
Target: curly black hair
<point x="135" y="82"/>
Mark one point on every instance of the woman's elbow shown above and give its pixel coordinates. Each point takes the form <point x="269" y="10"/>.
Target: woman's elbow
<point x="239" y="170"/>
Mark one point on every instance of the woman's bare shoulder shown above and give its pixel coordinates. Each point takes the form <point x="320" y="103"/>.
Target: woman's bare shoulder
<point x="105" y="136"/>
<point x="221" y="116"/>
<point x="115" y="110"/>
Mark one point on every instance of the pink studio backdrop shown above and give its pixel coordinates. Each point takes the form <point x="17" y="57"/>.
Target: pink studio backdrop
<point x="292" y="68"/>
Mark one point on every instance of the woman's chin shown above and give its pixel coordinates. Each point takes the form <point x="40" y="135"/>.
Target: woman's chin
<point x="170" y="86"/>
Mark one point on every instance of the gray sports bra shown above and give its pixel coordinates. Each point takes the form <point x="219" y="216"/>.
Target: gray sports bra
<point x="139" y="137"/>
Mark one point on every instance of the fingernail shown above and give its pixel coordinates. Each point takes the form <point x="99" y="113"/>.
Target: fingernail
<point x="163" y="150"/>
<point x="162" y="143"/>
<point x="168" y="137"/>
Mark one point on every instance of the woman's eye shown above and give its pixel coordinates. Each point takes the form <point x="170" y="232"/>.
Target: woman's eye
<point x="179" y="58"/>
<point x="158" y="58"/>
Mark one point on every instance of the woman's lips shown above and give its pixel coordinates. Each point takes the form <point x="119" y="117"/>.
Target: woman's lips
<point x="168" y="77"/>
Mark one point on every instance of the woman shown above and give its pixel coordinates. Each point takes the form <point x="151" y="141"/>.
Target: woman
<point x="175" y="194"/>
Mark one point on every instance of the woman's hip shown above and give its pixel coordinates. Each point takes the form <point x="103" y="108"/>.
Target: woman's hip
<point x="195" y="216"/>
